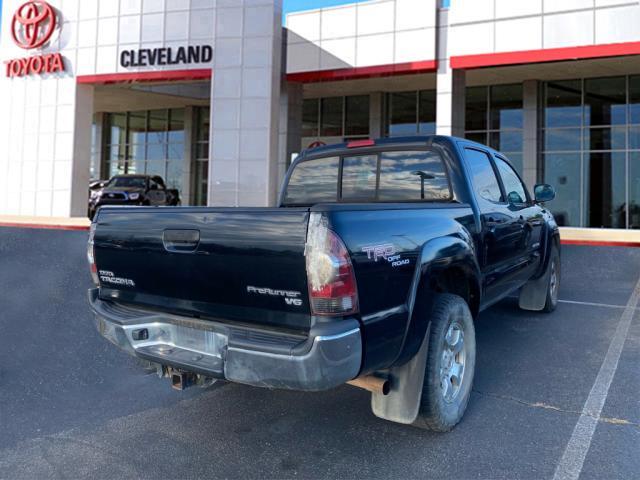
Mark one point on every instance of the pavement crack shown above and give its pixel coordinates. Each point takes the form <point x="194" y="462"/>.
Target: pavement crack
<point x="546" y="406"/>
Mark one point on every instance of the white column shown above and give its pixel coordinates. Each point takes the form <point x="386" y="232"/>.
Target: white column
<point x="81" y="161"/>
<point x="245" y="103"/>
<point x="291" y="99"/>
<point x="451" y="84"/>
<point x="530" y="134"/>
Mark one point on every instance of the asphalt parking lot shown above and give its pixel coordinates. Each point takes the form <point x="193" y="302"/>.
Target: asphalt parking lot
<point x="72" y="406"/>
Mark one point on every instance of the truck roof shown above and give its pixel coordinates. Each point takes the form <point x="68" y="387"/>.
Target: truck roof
<point x="390" y="141"/>
<point x="399" y="142"/>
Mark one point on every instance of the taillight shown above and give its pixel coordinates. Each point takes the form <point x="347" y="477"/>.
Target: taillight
<point x="90" y="255"/>
<point x="332" y="283"/>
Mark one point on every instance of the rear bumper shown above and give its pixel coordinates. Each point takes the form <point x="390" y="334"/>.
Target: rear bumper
<point x="330" y="356"/>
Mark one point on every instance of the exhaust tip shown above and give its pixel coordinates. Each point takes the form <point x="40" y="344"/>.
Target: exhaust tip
<point x="373" y="384"/>
<point x="386" y="387"/>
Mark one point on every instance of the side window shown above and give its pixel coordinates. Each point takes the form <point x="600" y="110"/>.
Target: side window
<point x="313" y="181"/>
<point x="359" y="175"/>
<point x="483" y="177"/>
<point x="516" y="193"/>
<point x="412" y="176"/>
<point x="160" y="183"/>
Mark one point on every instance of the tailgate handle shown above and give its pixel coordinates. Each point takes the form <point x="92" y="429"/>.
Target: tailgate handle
<point x="181" y="241"/>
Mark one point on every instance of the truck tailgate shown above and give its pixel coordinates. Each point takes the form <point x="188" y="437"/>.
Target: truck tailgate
<point x="238" y="264"/>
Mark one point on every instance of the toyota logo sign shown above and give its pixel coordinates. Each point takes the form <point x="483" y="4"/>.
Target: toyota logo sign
<point x="33" y="24"/>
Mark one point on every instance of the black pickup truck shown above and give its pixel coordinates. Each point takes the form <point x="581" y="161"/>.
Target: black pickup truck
<point x="370" y="272"/>
<point x="128" y="190"/>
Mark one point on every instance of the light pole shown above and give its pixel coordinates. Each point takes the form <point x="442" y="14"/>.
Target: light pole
<point x="423" y="176"/>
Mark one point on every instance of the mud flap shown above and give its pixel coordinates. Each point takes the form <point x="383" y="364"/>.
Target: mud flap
<point x="533" y="295"/>
<point x="402" y="404"/>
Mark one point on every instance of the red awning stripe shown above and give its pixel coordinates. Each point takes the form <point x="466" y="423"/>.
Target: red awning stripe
<point x="427" y="66"/>
<point x="545" y="55"/>
<point x="155" y="76"/>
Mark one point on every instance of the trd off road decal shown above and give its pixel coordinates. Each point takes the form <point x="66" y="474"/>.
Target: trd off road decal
<point x="376" y="252"/>
<point x="387" y="252"/>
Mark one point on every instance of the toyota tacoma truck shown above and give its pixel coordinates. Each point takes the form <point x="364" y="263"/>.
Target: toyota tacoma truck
<point x="132" y="190"/>
<point x="370" y="271"/>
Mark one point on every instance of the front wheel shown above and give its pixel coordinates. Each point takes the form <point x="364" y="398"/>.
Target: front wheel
<point x="451" y="361"/>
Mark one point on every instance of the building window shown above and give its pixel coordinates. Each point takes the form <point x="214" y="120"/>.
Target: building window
<point x="356" y="116"/>
<point x="200" y="185"/>
<point x="345" y="117"/>
<point x="493" y="116"/>
<point x="591" y="151"/>
<point x="310" y="118"/>
<point x="331" y="117"/>
<point x="96" y="149"/>
<point x="411" y="113"/>
<point x="149" y="142"/>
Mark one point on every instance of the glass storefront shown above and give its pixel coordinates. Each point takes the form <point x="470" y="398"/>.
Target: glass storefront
<point x="155" y="142"/>
<point x="493" y="116"/>
<point x="591" y="150"/>
<point x="589" y="140"/>
<point x="150" y="142"/>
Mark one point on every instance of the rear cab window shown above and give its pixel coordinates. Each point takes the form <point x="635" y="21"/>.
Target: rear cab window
<point x="313" y="181"/>
<point x="412" y="177"/>
<point x="387" y="176"/>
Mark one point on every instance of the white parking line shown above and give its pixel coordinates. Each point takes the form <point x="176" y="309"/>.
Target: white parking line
<point x="591" y="304"/>
<point x="586" y="304"/>
<point x="572" y="460"/>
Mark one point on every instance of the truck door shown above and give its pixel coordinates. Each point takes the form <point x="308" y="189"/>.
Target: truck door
<point x="157" y="194"/>
<point x="502" y="243"/>
<point x="529" y="215"/>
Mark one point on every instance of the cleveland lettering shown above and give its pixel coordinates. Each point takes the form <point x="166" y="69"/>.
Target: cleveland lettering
<point x="151" y="57"/>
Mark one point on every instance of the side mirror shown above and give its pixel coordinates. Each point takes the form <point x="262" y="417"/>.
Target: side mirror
<point x="544" y="193"/>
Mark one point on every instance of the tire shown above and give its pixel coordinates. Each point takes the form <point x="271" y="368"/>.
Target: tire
<point x="452" y="349"/>
<point x="553" y="285"/>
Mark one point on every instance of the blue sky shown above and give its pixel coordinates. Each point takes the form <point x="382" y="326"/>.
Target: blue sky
<point x="299" y="5"/>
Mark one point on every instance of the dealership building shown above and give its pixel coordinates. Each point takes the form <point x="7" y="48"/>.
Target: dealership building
<point x="217" y="96"/>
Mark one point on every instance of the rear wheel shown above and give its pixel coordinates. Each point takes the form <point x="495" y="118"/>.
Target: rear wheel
<point x="554" y="281"/>
<point x="451" y="360"/>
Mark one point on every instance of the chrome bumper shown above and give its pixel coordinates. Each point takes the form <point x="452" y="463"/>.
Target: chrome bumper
<point x="327" y="358"/>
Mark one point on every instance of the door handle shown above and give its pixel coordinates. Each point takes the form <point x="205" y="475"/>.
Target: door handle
<point x="181" y="241"/>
